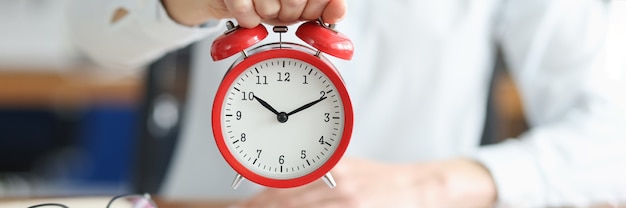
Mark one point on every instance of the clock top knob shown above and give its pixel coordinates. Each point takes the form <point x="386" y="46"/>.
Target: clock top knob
<point x="236" y="39"/>
<point x="326" y="39"/>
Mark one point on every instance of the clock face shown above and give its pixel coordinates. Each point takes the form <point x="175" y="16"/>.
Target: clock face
<point x="283" y="118"/>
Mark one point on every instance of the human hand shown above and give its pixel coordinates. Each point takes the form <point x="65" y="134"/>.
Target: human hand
<point x="364" y="183"/>
<point x="250" y="13"/>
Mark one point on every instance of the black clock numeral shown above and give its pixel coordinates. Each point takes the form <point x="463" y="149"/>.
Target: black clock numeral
<point x="303" y="154"/>
<point x="261" y="78"/>
<point x="304" y="80"/>
<point x="323" y="94"/>
<point x="326" y="117"/>
<point x="283" y="75"/>
<point x="250" y="95"/>
<point x="258" y="153"/>
<point x="281" y="159"/>
<point x="238" y="114"/>
<point x="323" y="142"/>
<point x="243" y="137"/>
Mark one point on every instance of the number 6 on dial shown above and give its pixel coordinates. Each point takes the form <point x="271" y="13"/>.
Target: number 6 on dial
<point x="282" y="116"/>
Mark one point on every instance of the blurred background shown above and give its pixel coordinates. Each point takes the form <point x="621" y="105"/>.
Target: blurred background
<point x="67" y="127"/>
<point x="70" y="127"/>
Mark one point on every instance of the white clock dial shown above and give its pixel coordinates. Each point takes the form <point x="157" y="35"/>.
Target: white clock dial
<point x="282" y="118"/>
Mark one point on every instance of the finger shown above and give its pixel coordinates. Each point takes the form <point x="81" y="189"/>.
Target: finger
<point x="272" y="198"/>
<point x="340" y="196"/>
<point x="313" y="194"/>
<point x="267" y="9"/>
<point x="291" y="10"/>
<point x="334" y="11"/>
<point x="432" y="190"/>
<point x="293" y="197"/>
<point x="244" y="13"/>
<point x="314" y="9"/>
<point x="333" y="202"/>
<point x="262" y="199"/>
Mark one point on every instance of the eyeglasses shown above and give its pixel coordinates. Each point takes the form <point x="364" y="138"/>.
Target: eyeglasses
<point x="121" y="201"/>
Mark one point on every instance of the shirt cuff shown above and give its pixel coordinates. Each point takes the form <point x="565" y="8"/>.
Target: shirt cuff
<point x="158" y="24"/>
<point x="515" y="173"/>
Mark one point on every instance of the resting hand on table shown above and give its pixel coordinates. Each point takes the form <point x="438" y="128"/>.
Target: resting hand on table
<point x="249" y="13"/>
<point x="364" y="183"/>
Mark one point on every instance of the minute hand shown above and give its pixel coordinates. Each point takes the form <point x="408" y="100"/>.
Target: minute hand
<point x="308" y="105"/>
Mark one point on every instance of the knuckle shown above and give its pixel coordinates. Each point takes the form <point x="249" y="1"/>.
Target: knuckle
<point x="241" y="8"/>
<point x="310" y="16"/>
<point x="287" y="18"/>
<point x="321" y="1"/>
<point x="268" y="12"/>
<point x="267" y="15"/>
<point x="293" y="3"/>
<point x="442" y="186"/>
<point x="440" y="181"/>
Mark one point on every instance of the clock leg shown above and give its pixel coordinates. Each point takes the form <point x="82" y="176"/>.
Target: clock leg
<point x="237" y="181"/>
<point x="328" y="178"/>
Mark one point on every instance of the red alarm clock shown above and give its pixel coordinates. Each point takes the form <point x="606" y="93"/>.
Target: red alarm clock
<point x="282" y="116"/>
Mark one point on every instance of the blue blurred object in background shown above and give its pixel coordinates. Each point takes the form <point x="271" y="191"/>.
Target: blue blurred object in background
<point x="25" y="135"/>
<point x="107" y="134"/>
<point x="71" y="152"/>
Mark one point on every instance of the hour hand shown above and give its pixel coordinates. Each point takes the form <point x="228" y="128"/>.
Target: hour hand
<point x="266" y="105"/>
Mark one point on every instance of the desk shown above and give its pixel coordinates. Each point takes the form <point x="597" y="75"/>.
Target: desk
<point x="100" y="202"/>
<point x="25" y="202"/>
<point x="192" y="204"/>
<point x="70" y="88"/>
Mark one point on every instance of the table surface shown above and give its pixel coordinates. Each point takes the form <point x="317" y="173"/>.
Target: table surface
<point x="192" y="204"/>
<point x="75" y="88"/>
<point x="101" y="201"/>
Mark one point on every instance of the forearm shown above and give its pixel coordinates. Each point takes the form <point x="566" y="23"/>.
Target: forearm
<point x="578" y="161"/>
<point x="573" y="154"/>
<point x="459" y="182"/>
<point x="139" y="34"/>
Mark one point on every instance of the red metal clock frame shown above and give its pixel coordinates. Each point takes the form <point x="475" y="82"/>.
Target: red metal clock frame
<point x="324" y="66"/>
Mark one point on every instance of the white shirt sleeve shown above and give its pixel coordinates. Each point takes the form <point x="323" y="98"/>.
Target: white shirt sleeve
<point x="575" y="150"/>
<point x="145" y="33"/>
